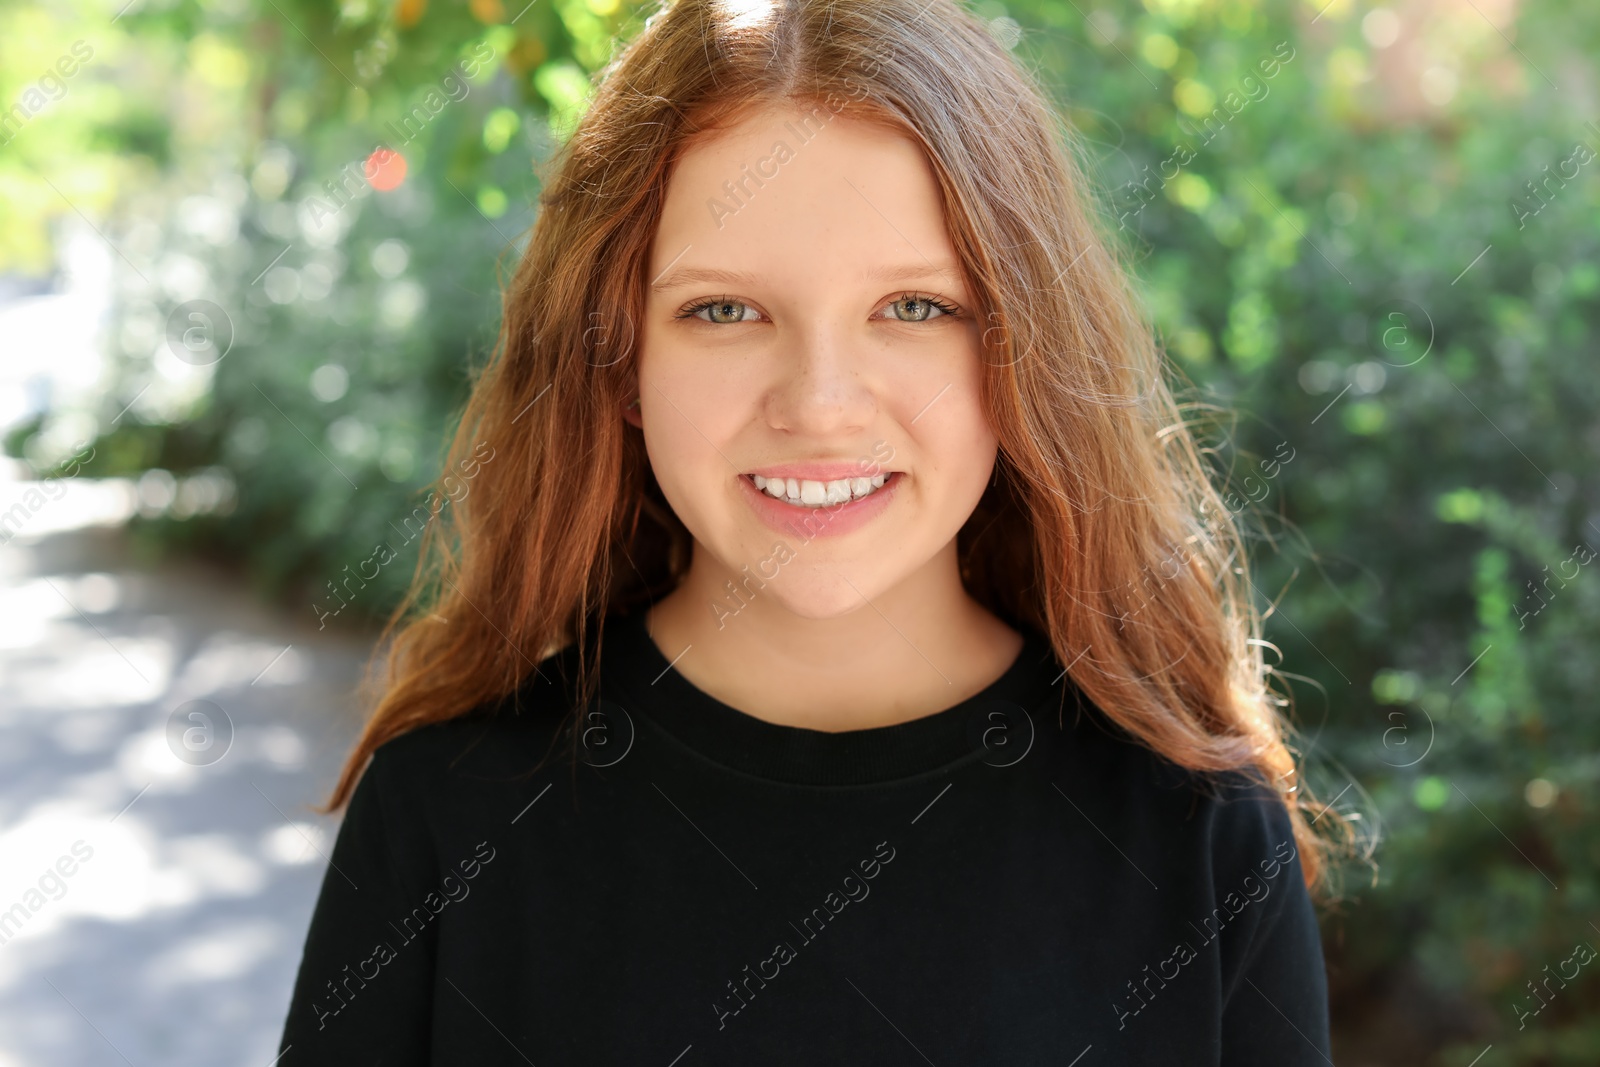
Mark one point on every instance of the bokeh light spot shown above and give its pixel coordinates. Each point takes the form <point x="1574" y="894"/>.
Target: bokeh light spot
<point x="385" y="169"/>
<point x="1430" y="793"/>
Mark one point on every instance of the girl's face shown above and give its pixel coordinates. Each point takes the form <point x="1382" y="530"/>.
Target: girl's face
<point x="809" y="364"/>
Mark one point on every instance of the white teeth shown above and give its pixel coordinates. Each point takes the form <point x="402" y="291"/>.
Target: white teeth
<point x="810" y="493"/>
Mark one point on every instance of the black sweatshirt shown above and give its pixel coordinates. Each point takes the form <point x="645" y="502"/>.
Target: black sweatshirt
<point x="1008" y="881"/>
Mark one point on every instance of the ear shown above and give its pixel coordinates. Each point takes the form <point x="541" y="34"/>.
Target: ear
<point x="631" y="415"/>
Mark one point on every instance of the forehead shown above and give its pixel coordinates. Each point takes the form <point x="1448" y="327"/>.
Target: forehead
<point x="790" y="192"/>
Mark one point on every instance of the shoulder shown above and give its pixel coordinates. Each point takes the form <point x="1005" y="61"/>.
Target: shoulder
<point x="1234" y="819"/>
<point x="501" y="736"/>
<point x="1248" y="833"/>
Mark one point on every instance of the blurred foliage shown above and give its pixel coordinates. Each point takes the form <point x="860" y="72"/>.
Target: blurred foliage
<point x="1383" y="255"/>
<point x="228" y="147"/>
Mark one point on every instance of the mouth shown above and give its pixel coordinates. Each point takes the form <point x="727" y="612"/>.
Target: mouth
<point x="817" y="493"/>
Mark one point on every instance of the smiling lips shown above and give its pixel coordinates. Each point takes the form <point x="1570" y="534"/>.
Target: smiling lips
<point x="810" y="500"/>
<point x="811" y="493"/>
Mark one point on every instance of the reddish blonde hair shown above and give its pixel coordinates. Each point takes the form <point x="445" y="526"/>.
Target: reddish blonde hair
<point x="1102" y="528"/>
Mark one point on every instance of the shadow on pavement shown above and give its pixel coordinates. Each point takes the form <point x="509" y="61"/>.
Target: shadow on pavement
<point x="164" y="737"/>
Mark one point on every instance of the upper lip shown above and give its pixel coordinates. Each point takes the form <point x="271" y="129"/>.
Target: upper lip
<point x="820" y="472"/>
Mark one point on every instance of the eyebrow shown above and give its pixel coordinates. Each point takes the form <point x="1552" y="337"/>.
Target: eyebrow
<point x="907" y="272"/>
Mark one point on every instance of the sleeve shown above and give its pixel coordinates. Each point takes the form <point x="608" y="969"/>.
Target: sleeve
<point x="364" y="991"/>
<point x="1275" y="985"/>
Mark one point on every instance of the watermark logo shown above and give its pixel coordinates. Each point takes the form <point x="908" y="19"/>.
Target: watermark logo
<point x="1003" y="730"/>
<point x="199" y="332"/>
<point x="607" y="735"/>
<point x="199" y="733"/>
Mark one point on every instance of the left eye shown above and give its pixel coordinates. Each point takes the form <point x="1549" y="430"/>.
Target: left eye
<point x="722" y="311"/>
<point x="917" y="309"/>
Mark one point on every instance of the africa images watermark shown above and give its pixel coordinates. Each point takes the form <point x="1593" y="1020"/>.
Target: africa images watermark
<point x="383" y="554"/>
<point x="34" y="498"/>
<point x="1151" y="578"/>
<point x="1254" y="89"/>
<point x="1581" y="954"/>
<point x="457" y="85"/>
<point x="1581" y="549"/>
<point x="740" y="594"/>
<point x="454" y="891"/>
<point x="781" y="153"/>
<point x="855" y="889"/>
<point x="1231" y="905"/>
<point x="50" y="87"/>
<point x="51" y="882"/>
<point x="1581" y="155"/>
<point x="354" y="180"/>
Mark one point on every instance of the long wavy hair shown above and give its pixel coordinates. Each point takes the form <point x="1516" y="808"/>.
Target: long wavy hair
<point x="1102" y="528"/>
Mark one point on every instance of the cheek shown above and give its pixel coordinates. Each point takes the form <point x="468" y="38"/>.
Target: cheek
<point x="679" y="455"/>
<point x="691" y="410"/>
<point x="962" y="451"/>
<point x="953" y="441"/>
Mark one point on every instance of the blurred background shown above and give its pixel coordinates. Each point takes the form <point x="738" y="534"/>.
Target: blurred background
<point x="250" y="253"/>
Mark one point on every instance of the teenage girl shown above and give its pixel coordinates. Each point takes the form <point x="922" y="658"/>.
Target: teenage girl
<point x="843" y="657"/>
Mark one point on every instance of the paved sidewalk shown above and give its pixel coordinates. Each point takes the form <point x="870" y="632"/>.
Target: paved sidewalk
<point x="152" y="907"/>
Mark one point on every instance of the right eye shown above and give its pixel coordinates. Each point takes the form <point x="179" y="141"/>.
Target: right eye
<point x="720" y="311"/>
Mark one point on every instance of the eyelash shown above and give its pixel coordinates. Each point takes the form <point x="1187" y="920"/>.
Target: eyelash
<point x="693" y="310"/>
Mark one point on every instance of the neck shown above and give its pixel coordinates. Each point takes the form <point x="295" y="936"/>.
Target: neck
<point x="847" y="662"/>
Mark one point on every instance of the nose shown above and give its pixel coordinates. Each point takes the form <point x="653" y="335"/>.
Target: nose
<point x="822" y="385"/>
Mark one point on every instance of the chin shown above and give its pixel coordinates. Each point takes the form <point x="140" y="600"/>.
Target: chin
<point x="821" y="596"/>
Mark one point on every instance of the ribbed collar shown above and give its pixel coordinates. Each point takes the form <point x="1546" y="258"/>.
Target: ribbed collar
<point x="979" y="727"/>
